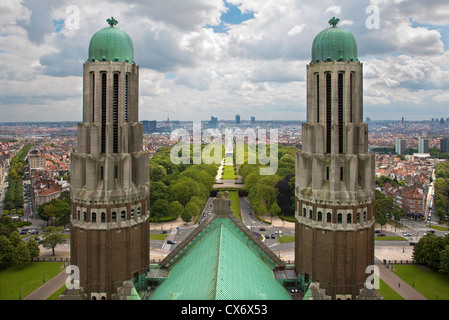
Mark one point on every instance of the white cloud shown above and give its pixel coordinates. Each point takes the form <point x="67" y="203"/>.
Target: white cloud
<point x="256" y="69"/>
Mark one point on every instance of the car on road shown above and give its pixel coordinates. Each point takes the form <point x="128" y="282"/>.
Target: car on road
<point x="262" y="229"/>
<point x="407" y="234"/>
<point x="412" y="243"/>
<point x="380" y="235"/>
<point x="164" y="231"/>
<point x="171" y="242"/>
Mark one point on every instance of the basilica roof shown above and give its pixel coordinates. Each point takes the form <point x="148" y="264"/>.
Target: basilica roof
<point x="222" y="263"/>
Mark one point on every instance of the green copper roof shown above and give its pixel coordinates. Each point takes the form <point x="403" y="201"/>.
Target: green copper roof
<point x="221" y="263"/>
<point x="111" y="44"/>
<point x="334" y="44"/>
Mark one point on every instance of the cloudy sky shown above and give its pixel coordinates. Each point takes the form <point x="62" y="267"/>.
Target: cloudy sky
<point x="203" y="58"/>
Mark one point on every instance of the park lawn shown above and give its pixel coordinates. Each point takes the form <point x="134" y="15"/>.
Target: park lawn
<point x="433" y="285"/>
<point x="57" y="293"/>
<point x="27" y="279"/>
<point x="158" y="236"/>
<point x="229" y="160"/>
<point x="387" y="292"/>
<point x="228" y="173"/>
<point x="284" y="239"/>
<point x="439" y="228"/>
<point x="391" y="238"/>
<point x="235" y="205"/>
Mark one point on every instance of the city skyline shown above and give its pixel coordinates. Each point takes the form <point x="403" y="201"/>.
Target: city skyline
<point x="219" y="58"/>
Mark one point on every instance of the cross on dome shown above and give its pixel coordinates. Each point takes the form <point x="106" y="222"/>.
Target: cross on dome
<point x="334" y="21"/>
<point x="112" y="22"/>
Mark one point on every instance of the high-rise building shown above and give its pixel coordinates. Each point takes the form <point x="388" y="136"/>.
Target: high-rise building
<point x="109" y="181"/>
<point x="444" y="145"/>
<point x="253" y="120"/>
<point x="400" y="146"/>
<point x="213" y="123"/>
<point x="423" y="145"/>
<point x="149" y="126"/>
<point x="334" y="242"/>
<point x="237" y="119"/>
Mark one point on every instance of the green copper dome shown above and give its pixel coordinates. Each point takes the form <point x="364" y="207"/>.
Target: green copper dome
<point x="334" y="44"/>
<point x="111" y="44"/>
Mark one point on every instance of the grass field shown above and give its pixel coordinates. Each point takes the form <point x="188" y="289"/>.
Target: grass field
<point x="228" y="173"/>
<point x="391" y="238"/>
<point x="433" y="285"/>
<point x="388" y="293"/>
<point x="235" y="205"/>
<point x="158" y="236"/>
<point x="17" y="281"/>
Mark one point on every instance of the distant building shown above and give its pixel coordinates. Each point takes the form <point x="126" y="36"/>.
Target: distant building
<point x="444" y="145"/>
<point x="253" y="120"/>
<point x="149" y="126"/>
<point x="37" y="162"/>
<point x="423" y="145"/>
<point x="237" y="119"/>
<point x="400" y="146"/>
<point x="213" y="123"/>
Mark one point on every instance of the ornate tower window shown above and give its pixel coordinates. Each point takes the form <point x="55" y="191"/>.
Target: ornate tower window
<point x="317" y="96"/>
<point x="340" y="112"/>
<point x="328" y="112"/>
<point x="103" y="112"/>
<point x="115" y="113"/>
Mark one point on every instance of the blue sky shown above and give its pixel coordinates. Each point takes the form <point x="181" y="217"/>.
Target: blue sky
<point x="232" y="16"/>
<point x="203" y="58"/>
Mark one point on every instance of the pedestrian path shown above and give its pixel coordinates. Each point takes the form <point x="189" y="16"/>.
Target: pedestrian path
<point x="400" y="286"/>
<point x="49" y="287"/>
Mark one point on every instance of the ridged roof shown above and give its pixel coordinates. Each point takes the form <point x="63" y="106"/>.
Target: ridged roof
<point x="111" y="44"/>
<point x="221" y="263"/>
<point x="334" y="43"/>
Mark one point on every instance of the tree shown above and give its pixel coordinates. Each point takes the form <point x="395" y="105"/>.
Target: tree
<point x="6" y="250"/>
<point x="21" y="254"/>
<point x="33" y="248"/>
<point x="444" y="260"/>
<point x="427" y="250"/>
<point x="275" y="210"/>
<point x="191" y="210"/>
<point x="48" y="212"/>
<point x="175" y="208"/>
<point x="159" y="208"/>
<point x="184" y="189"/>
<point x="52" y="236"/>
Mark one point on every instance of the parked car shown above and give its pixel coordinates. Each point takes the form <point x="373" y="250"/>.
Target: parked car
<point x="267" y="236"/>
<point x="262" y="229"/>
<point x="381" y="234"/>
<point x="164" y="231"/>
<point x="273" y="236"/>
<point x="34" y="232"/>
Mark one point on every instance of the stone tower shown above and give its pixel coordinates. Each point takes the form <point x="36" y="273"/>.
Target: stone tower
<point x="110" y="177"/>
<point x="334" y="172"/>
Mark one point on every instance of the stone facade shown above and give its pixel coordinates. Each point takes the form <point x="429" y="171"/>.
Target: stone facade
<point x="109" y="182"/>
<point x="334" y="188"/>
